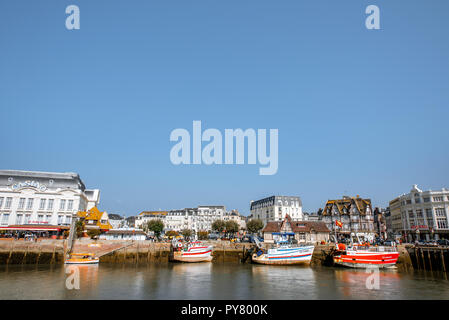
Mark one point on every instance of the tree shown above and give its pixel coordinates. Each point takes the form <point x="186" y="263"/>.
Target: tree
<point x="156" y="226"/>
<point x="254" y="225"/>
<point x="186" y="233"/>
<point x="232" y="227"/>
<point x="79" y="227"/>
<point x="218" y="225"/>
<point x="171" y="233"/>
<point x="93" y="233"/>
<point x="202" y="235"/>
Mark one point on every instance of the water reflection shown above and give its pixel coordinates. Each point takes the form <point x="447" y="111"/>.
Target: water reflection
<point x="216" y="281"/>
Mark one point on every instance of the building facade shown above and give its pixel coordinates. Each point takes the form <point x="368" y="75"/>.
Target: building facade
<point x="421" y="215"/>
<point x="196" y="219"/>
<point x="275" y="208"/>
<point x="355" y="214"/>
<point x="42" y="198"/>
<point x="301" y="231"/>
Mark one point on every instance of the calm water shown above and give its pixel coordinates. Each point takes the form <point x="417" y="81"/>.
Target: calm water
<point x="216" y="281"/>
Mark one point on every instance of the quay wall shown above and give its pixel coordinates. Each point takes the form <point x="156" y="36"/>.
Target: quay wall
<point x="50" y="251"/>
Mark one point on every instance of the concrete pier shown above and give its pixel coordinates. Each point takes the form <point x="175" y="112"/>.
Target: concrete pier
<point x="142" y="252"/>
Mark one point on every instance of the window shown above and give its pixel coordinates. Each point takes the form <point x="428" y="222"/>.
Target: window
<point x="1" y="201"/>
<point x="50" y="204"/>
<point x="27" y="218"/>
<point x="442" y="223"/>
<point x="68" y="219"/>
<point x="60" y="219"/>
<point x="42" y="204"/>
<point x="19" y="219"/>
<point x="427" y="199"/>
<point x="62" y="205"/>
<point x="40" y="218"/>
<point x="440" y="212"/>
<point x="70" y="205"/>
<point x="409" y="201"/>
<point x="48" y="218"/>
<point x="21" y="203"/>
<point x="5" y="218"/>
<point x="437" y="199"/>
<point x="30" y="203"/>
<point x="8" y="203"/>
<point x="417" y="200"/>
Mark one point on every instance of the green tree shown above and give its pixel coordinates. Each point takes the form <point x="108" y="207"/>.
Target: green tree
<point x="254" y="225"/>
<point x="202" y="235"/>
<point x="156" y="226"/>
<point x="171" y="233"/>
<point x="232" y="227"/>
<point x="79" y="227"/>
<point x="218" y="225"/>
<point x="186" y="233"/>
<point x="93" y="233"/>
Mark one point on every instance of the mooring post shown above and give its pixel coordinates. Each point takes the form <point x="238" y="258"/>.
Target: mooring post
<point x="430" y="260"/>
<point x="442" y="259"/>
<point x="423" y="262"/>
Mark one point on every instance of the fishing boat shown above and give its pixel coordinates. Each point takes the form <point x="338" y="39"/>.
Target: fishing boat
<point x="82" y="258"/>
<point x="362" y="255"/>
<point x="193" y="251"/>
<point x="283" y="253"/>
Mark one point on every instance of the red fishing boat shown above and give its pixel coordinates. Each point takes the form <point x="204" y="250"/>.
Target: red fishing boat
<point x="365" y="256"/>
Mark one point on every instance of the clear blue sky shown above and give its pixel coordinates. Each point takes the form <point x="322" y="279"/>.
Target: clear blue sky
<point x="358" y="111"/>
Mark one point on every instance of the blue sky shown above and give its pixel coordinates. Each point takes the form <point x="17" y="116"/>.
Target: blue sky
<point x="358" y="111"/>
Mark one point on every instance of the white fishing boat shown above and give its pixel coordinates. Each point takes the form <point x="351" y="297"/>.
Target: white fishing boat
<point x="193" y="251"/>
<point x="82" y="258"/>
<point x="284" y="254"/>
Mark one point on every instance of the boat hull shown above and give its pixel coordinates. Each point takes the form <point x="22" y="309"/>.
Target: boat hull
<point x="285" y="256"/>
<point x="80" y="261"/>
<point x="193" y="254"/>
<point x="367" y="259"/>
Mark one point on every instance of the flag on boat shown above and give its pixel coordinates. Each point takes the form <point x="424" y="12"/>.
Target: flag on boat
<point x="338" y="223"/>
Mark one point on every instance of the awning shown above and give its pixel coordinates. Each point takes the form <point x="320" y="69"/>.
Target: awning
<point x="284" y="233"/>
<point x="34" y="228"/>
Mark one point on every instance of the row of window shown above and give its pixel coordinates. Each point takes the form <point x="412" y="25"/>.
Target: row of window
<point x="425" y="199"/>
<point x="44" y="204"/>
<point x="26" y="219"/>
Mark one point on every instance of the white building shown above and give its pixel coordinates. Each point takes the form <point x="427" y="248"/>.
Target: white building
<point x="116" y="221"/>
<point x="275" y="208"/>
<point x="42" y="198"/>
<point x="421" y="214"/>
<point x="234" y="215"/>
<point x="123" y="234"/>
<point x="197" y="219"/>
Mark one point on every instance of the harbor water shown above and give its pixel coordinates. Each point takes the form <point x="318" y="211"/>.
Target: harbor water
<point x="216" y="281"/>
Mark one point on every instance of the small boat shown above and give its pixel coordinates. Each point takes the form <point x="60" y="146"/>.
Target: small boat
<point x="358" y="255"/>
<point x="284" y="253"/>
<point x="82" y="258"/>
<point x="191" y="252"/>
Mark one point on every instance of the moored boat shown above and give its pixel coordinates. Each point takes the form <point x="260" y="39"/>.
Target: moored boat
<point x="364" y="256"/>
<point x="82" y="258"/>
<point x="191" y="252"/>
<point x="284" y="255"/>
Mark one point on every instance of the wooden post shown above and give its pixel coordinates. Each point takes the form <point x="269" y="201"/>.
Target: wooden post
<point x="423" y="262"/>
<point x="430" y="260"/>
<point x="442" y="259"/>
